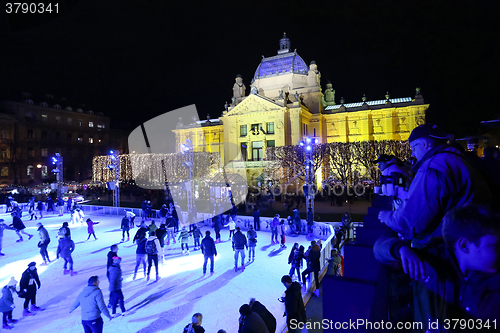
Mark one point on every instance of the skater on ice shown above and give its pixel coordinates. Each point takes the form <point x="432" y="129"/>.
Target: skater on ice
<point x="7" y="304"/>
<point x="28" y="285"/>
<point x="43" y="243"/>
<point x="239" y="245"/>
<point x="64" y="250"/>
<point x="115" y="285"/>
<point x="90" y="228"/>
<point x="209" y="252"/>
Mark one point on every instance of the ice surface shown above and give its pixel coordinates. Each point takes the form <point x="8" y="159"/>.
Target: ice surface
<point x="166" y="306"/>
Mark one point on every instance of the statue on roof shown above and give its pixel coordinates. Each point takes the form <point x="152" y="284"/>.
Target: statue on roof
<point x="313" y="76"/>
<point x="238" y="87"/>
<point x="329" y="96"/>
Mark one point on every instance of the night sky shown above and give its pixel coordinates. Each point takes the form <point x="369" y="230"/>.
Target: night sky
<point x="134" y="60"/>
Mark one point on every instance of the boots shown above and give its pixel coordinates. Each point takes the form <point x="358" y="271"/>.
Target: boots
<point x="19" y="240"/>
<point x="12" y="321"/>
<point x="66" y="272"/>
<point x="73" y="273"/>
<point x="157" y="278"/>
<point x="27" y="313"/>
<point x="147" y="279"/>
<point x="35" y="308"/>
<point x="30" y="236"/>
<point x="44" y="263"/>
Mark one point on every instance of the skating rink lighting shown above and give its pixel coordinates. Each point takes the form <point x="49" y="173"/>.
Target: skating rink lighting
<point x="308" y="140"/>
<point x="308" y="148"/>
<point x="111" y="152"/>
<point x="301" y="143"/>
<point x="316" y="141"/>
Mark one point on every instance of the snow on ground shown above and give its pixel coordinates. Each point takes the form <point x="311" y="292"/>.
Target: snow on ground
<point x="166" y="306"/>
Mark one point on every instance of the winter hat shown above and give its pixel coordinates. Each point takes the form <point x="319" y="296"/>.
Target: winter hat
<point x="245" y="310"/>
<point x="383" y="158"/>
<point x="39" y="224"/>
<point x="427" y="131"/>
<point x="65" y="224"/>
<point x="12" y="282"/>
<point x="32" y="264"/>
<point x="89" y="220"/>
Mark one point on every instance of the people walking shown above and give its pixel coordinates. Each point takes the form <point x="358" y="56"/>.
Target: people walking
<point x="298" y="256"/>
<point x="160" y="233"/>
<point x="90" y="228"/>
<point x="294" y="305"/>
<point x="115" y="285"/>
<point x="28" y="286"/>
<point x="43" y="243"/>
<point x="217" y="226"/>
<point x="153" y="249"/>
<point x="252" y="243"/>
<point x="64" y="249"/>
<point x="92" y="304"/>
<point x="60" y="206"/>
<point x="239" y="245"/>
<point x="209" y="251"/>
<point x="125" y="226"/>
<point x="7" y="304"/>
<point x="313" y="265"/>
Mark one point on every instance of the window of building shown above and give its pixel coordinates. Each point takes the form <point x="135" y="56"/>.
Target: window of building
<point x="243" y="130"/>
<point x="44" y="171"/>
<point x="4" y="152"/>
<point x="257" y="151"/>
<point x="100" y="125"/>
<point x="58" y="136"/>
<point x="29" y="171"/>
<point x="31" y="152"/>
<point x="58" y="119"/>
<point x="4" y="172"/>
<point x="45" y="135"/>
<point x="91" y="124"/>
<point x="70" y="121"/>
<point x="243" y="147"/>
<point x="68" y="137"/>
<point x="270" y="128"/>
<point x="45" y="152"/>
<point x="80" y="122"/>
<point x="100" y="140"/>
<point x="91" y="139"/>
<point x="4" y="134"/>
<point x="30" y="134"/>
<point x="314" y="132"/>
<point x="80" y="138"/>
<point x="271" y="143"/>
<point x="45" y="117"/>
<point x="256" y="127"/>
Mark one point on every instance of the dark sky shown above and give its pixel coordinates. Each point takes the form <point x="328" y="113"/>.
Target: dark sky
<point x="136" y="59"/>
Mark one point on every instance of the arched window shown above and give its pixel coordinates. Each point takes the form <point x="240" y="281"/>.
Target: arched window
<point x="44" y="104"/>
<point x="29" y="171"/>
<point x="57" y="106"/>
<point x="29" y="101"/>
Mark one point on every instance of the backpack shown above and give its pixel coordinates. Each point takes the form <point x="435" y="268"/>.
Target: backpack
<point x="151" y="247"/>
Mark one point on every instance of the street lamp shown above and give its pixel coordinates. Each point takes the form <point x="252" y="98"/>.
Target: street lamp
<point x="308" y="188"/>
<point x="58" y="170"/>
<point x="114" y="166"/>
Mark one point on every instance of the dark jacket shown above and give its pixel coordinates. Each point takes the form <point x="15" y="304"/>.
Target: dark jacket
<point x="7" y="300"/>
<point x="141" y="246"/>
<point x="115" y="277"/>
<point x="197" y="329"/>
<point x="313" y="260"/>
<point x="256" y="216"/>
<point x="292" y="253"/>
<point x="17" y="223"/>
<point x="446" y="294"/>
<point x="65" y="248"/>
<point x="297" y="258"/>
<point x="268" y="318"/>
<point x="252" y="238"/>
<point x="239" y="241"/>
<point x="208" y="247"/>
<point x="141" y="233"/>
<point x="217" y="222"/>
<point x="160" y="233"/>
<point x="29" y="277"/>
<point x="125" y="224"/>
<point x="253" y="323"/>
<point x="294" y="305"/>
<point x="111" y="254"/>
<point x="65" y="231"/>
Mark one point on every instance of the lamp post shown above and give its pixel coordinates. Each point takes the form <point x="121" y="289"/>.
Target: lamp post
<point x="58" y="170"/>
<point x="308" y="188"/>
<point x="115" y="168"/>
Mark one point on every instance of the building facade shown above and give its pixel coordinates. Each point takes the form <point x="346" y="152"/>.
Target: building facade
<point x="32" y="132"/>
<point x="285" y="105"/>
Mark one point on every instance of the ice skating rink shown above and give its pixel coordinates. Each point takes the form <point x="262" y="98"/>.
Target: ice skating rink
<point x="164" y="306"/>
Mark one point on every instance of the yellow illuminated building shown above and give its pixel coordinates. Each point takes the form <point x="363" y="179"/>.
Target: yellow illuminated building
<point x="285" y="105"/>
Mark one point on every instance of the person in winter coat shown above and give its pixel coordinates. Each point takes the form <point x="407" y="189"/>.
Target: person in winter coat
<point x="28" y="285"/>
<point x="153" y="249"/>
<point x="50" y="205"/>
<point x="298" y="255"/>
<point x="7" y="304"/>
<point x="256" y="219"/>
<point x="131" y="216"/>
<point x="217" y="221"/>
<point x="19" y="225"/>
<point x="60" y="206"/>
<point x="183" y="238"/>
<point x="239" y="245"/>
<point x="69" y="205"/>
<point x="92" y="304"/>
<point x="232" y="227"/>
<point x="175" y="216"/>
<point x="310" y="222"/>
<point x="456" y="279"/>
<point x="39" y="207"/>
<point x="141" y="232"/>
<point x="149" y="210"/>
<point x="295" y="310"/>
<point x="144" y="208"/>
<point x="140" y="255"/>
<point x="196" y="235"/>
<point x="32" y="210"/>
<point x="160" y="233"/>
<point x="125" y="226"/>
<point x="8" y="204"/>
<point x="292" y="253"/>
<point x="3" y="226"/>
<point x="281" y="233"/>
<point x="297" y="221"/>
<point x="90" y="228"/>
<point x="64" y="231"/>
<point x="153" y="226"/>
<point x="163" y="213"/>
<point x="195" y="325"/>
<point x="115" y="285"/>
<point x="252" y="243"/>
<point x="268" y="318"/>
<point x="113" y="252"/>
<point x="274" y="229"/>
<point x="335" y="264"/>
<point x="43" y="243"/>
<point x="170" y="224"/>
<point x="64" y="249"/>
<point x="250" y="322"/>
<point x="313" y="264"/>
<point x="209" y="251"/>
<point x="445" y="178"/>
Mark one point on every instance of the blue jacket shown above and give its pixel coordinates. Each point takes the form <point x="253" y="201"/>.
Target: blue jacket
<point x="92" y="303"/>
<point x="141" y="246"/>
<point x="208" y="247"/>
<point x="115" y="277"/>
<point x="239" y="241"/>
<point x="252" y="238"/>
<point x="445" y="179"/>
<point x="7" y="300"/>
<point x="65" y="248"/>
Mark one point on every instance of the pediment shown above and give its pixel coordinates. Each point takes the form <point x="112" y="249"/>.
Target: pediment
<point x="254" y="103"/>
